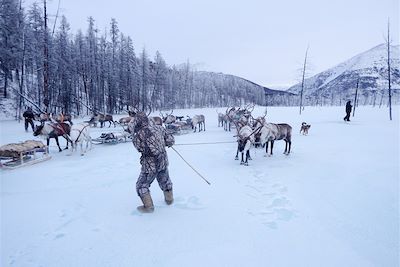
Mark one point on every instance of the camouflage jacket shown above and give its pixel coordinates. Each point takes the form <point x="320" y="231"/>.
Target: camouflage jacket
<point x="151" y="141"/>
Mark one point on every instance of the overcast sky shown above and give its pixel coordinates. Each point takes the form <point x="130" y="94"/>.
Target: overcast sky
<point x="263" y="41"/>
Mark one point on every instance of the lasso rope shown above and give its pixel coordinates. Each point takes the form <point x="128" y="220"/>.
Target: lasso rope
<point x="191" y="166"/>
<point x="210" y="143"/>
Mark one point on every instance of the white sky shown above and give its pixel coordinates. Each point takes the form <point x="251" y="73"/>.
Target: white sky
<point x="263" y="41"/>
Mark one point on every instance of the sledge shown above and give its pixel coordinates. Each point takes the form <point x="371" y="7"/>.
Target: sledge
<point x="16" y="155"/>
<point x="178" y="128"/>
<point x="112" y="138"/>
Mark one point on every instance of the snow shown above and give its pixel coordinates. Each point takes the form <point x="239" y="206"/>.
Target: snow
<point x="333" y="202"/>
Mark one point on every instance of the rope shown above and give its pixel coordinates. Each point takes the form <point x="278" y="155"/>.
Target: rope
<point x="212" y="143"/>
<point x="191" y="166"/>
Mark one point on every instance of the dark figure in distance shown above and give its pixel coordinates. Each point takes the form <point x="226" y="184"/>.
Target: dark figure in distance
<point x="29" y="116"/>
<point x="348" y="111"/>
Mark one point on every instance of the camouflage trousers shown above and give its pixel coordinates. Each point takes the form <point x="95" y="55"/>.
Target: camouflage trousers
<point x="145" y="179"/>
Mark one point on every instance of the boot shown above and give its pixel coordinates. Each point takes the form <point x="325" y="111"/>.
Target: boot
<point x="169" y="197"/>
<point x="148" y="206"/>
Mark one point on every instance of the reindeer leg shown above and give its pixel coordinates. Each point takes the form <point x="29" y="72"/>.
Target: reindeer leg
<point x="272" y="146"/>
<point x="237" y="153"/>
<point x="266" y="147"/>
<point x="290" y="145"/>
<point x="286" y="147"/>
<point x="248" y="155"/>
<point x="58" y="144"/>
<point x="67" y="142"/>
<point x="81" y="145"/>
<point x="242" y="161"/>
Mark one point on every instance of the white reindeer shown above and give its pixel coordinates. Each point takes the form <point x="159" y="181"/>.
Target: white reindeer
<point x="80" y="133"/>
<point x="198" y="120"/>
<point x="245" y="139"/>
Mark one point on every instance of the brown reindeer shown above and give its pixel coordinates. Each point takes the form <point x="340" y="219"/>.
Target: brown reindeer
<point x="125" y="120"/>
<point x="102" y="119"/>
<point x="271" y="132"/>
<point x="63" y="118"/>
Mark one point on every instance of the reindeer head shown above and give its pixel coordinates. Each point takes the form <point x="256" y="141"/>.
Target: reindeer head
<point x="38" y="130"/>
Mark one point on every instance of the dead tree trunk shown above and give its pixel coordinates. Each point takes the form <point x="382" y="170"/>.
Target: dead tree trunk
<point x="389" y="70"/>
<point x="303" y="78"/>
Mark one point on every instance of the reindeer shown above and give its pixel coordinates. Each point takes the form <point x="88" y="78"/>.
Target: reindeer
<point x="169" y="118"/>
<point x="230" y="114"/>
<point x="125" y="120"/>
<point x="257" y="124"/>
<point x="271" y="132"/>
<point x="198" y="120"/>
<point x="42" y="117"/>
<point x="245" y="138"/>
<point x="220" y="119"/>
<point x="156" y="120"/>
<point x="62" y="118"/>
<point x="80" y="133"/>
<point x="53" y="130"/>
<point x="102" y="119"/>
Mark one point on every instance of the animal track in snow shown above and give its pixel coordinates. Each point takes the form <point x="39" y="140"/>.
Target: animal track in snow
<point x="269" y="201"/>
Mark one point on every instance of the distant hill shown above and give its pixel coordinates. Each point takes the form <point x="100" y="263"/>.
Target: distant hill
<point x="338" y="83"/>
<point x="234" y="87"/>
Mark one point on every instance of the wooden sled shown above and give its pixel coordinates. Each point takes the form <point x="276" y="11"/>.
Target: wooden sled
<point x="13" y="156"/>
<point x="178" y="128"/>
<point x="112" y="138"/>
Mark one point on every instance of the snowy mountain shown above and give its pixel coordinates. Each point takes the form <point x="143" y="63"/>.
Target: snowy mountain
<point x="339" y="83"/>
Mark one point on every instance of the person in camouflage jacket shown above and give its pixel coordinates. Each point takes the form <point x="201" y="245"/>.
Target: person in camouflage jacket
<point x="150" y="140"/>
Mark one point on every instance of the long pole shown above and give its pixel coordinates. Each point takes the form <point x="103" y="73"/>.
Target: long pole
<point x="201" y="176"/>
<point x="355" y="98"/>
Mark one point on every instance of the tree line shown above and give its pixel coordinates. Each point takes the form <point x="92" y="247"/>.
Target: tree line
<point x="94" y="71"/>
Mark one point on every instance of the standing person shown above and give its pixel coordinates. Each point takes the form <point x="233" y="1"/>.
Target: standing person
<point x="29" y="116"/>
<point x="151" y="140"/>
<point x="348" y="111"/>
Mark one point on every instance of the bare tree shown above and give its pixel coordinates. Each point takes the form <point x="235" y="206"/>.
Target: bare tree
<point x="303" y="78"/>
<point x="388" y="41"/>
<point x="45" y="60"/>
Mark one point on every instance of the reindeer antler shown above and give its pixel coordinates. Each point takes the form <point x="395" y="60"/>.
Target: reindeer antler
<point x="149" y="110"/>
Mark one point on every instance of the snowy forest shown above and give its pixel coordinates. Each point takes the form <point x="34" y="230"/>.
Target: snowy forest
<point x="102" y="71"/>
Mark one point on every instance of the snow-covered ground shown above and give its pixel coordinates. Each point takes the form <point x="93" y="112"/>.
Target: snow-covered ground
<point x="333" y="202"/>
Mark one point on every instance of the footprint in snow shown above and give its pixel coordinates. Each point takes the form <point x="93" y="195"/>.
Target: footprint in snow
<point x="190" y="203"/>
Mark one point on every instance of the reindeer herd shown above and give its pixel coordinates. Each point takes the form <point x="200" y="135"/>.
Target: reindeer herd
<point x="250" y="132"/>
